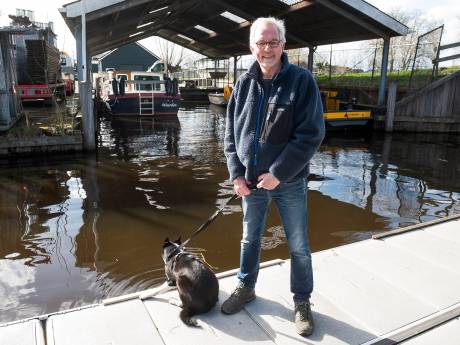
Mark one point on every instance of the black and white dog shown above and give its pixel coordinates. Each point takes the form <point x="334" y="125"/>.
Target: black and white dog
<point x="196" y="283"/>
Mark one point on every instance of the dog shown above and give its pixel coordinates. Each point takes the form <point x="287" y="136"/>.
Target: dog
<point x="196" y="283"/>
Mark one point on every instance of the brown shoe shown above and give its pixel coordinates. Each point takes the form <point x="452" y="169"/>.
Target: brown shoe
<point x="237" y="299"/>
<point x="303" y="318"/>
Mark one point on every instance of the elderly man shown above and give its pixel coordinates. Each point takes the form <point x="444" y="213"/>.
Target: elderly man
<point x="274" y="126"/>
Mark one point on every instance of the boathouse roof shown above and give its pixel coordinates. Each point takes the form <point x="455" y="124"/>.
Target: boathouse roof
<point x="218" y="28"/>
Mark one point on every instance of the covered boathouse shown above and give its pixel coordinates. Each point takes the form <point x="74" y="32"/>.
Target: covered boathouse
<point x="217" y="29"/>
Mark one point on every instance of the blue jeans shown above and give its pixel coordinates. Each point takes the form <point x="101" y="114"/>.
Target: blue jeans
<point x="291" y="200"/>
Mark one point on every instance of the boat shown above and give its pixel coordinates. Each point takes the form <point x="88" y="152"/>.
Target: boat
<point x="217" y="99"/>
<point x="139" y="93"/>
<point x="220" y="98"/>
<point x="343" y="115"/>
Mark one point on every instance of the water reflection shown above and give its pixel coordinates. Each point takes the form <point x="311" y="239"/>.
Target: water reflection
<point x="404" y="179"/>
<point x="74" y="230"/>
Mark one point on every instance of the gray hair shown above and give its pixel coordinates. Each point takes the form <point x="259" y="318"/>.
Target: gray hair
<point x="278" y="24"/>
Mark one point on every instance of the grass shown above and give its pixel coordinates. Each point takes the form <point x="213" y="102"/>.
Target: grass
<point x="24" y="132"/>
<point x="365" y="80"/>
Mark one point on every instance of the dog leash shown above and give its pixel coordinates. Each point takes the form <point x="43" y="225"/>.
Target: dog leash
<point x="210" y="220"/>
<point x="180" y="247"/>
<point x="214" y="216"/>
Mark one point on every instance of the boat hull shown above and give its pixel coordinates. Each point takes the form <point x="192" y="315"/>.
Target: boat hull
<point x="347" y="119"/>
<point x="129" y="104"/>
<point x="217" y="99"/>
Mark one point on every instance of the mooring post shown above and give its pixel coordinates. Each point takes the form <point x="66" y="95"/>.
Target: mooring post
<point x="311" y="52"/>
<point x="235" y="69"/>
<point x="84" y="86"/>
<point x="391" y="105"/>
<point x="383" y="71"/>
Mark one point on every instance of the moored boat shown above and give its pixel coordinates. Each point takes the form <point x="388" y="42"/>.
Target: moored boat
<point x="221" y="98"/>
<point x="347" y="119"/>
<point x="146" y="94"/>
<point x="217" y="99"/>
<point x="339" y="116"/>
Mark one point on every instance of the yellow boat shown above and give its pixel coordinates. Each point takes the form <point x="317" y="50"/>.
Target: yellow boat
<point x="337" y="117"/>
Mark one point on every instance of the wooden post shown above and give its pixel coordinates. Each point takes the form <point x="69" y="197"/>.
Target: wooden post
<point x="391" y="104"/>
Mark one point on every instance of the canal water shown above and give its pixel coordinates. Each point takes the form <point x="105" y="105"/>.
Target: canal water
<point x="80" y="228"/>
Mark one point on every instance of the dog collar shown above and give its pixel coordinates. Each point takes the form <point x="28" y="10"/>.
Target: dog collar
<point x="176" y="251"/>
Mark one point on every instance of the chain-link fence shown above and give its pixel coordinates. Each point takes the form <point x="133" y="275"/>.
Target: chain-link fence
<point x="426" y="52"/>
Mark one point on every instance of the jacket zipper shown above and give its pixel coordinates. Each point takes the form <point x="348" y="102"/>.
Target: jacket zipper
<point x="267" y="115"/>
<point x="256" y="134"/>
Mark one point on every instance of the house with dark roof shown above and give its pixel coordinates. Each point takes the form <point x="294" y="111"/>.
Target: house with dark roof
<point x="132" y="57"/>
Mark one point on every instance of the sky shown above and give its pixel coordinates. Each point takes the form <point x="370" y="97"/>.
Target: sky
<point x="444" y="11"/>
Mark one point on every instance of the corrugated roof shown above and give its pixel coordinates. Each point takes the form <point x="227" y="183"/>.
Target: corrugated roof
<point x="112" y="23"/>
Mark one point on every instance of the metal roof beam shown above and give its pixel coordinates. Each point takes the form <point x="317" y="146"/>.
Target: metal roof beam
<point x="244" y="14"/>
<point x="296" y="7"/>
<point x="185" y="33"/>
<point x="112" y="22"/>
<point x="75" y="9"/>
<point x="114" y="43"/>
<point x="174" y="7"/>
<point x="218" y="29"/>
<point x="127" y="28"/>
<point x="94" y="13"/>
<point x="145" y="12"/>
<point x="377" y="15"/>
<point x="195" y="48"/>
<point x="354" y="18"/>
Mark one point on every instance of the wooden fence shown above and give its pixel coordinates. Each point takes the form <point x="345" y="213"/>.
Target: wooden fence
<point x="435" y="108"/>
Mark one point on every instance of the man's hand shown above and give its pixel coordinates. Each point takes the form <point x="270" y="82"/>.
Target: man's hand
<point x="267" y="181"/>
<point x="240" y="186"/>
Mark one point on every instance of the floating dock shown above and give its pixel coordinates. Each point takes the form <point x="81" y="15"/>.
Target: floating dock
<point x="399" y="287"/>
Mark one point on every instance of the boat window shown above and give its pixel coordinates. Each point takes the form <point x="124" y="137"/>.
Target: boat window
<point x="122" y="76"/>
<point x="147" y="87"/>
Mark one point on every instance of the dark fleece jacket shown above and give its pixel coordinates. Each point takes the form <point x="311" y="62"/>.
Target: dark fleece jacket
<point x="279" y="136"/>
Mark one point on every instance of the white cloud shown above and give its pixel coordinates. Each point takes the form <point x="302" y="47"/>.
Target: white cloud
<point x="446" y="12"/>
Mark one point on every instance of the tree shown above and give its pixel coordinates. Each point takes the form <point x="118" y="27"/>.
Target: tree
<point x="402" y="48"/>
<point x="171" y="53"/>
<point x="174" y="55"/>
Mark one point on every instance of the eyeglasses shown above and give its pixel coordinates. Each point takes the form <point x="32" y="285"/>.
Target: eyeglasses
<point x="271" y="44"/>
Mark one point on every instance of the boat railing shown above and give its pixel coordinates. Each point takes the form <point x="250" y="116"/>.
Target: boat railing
<point x="170" y="86"/>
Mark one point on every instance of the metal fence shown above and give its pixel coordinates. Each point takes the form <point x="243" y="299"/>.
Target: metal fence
<point x="411" y="62"/>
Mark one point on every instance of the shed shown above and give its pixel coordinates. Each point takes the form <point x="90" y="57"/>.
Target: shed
<point x="132" y="56"/>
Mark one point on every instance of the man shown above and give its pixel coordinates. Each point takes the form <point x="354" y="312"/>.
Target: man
<point x="274" y="126"/>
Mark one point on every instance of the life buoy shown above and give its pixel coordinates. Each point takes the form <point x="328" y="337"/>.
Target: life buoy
<point x="227" y="92"/>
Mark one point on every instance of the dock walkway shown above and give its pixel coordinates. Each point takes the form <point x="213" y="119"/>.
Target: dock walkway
<point x="397" y="289"/>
